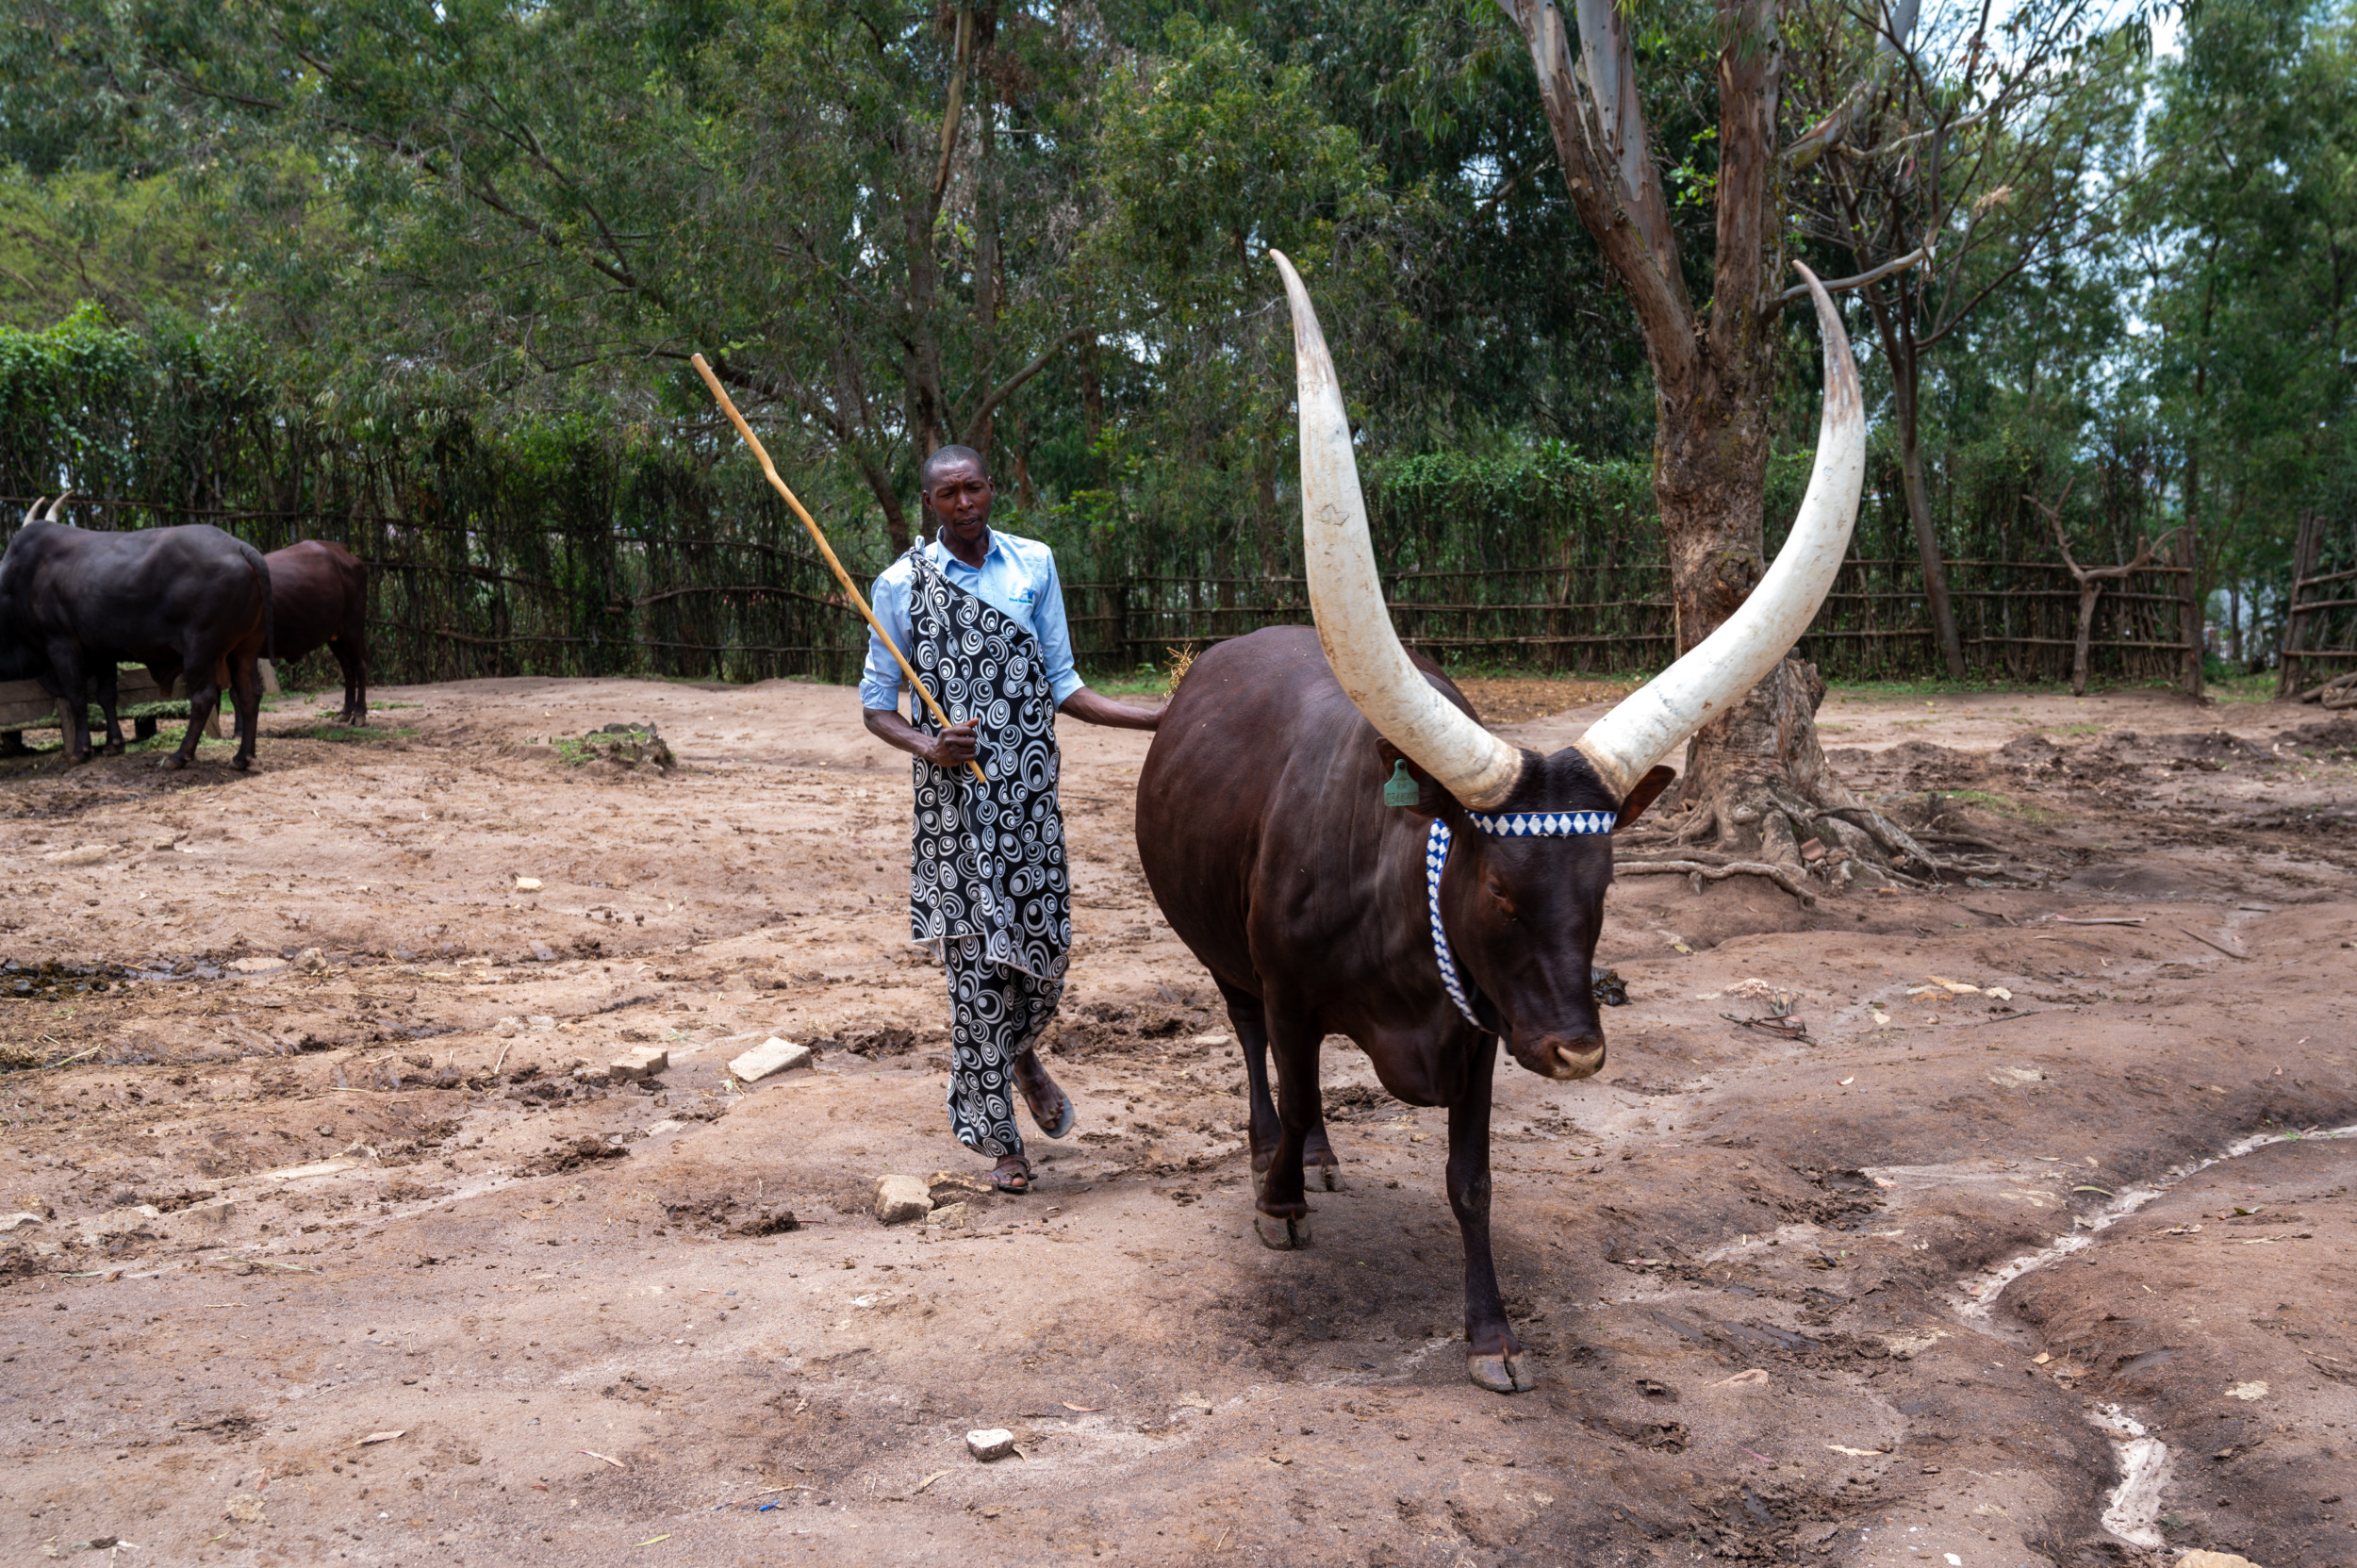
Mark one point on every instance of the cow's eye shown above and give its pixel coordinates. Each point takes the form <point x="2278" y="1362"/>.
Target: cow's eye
<point x="1500" y="898"/>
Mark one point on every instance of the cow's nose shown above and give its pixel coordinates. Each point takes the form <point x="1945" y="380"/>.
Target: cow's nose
<point x="1567" y="1057"/>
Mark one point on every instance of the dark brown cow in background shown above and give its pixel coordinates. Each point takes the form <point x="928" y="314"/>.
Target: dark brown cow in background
<point x="319" y="597"/>
<point x="190" y="601"/>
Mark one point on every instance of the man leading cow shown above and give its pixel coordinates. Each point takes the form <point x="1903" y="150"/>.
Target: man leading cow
<point x="981" y="616"/>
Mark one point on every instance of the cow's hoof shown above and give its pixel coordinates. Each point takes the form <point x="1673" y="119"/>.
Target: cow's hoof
<point x="1330" y="1173"/>
<point x="114" y="748"/>
<point x="173" y="763"/>
<point x="1282" y="1235"/>
<point x="1511" y="1373"/>
<point x="240" y="764"/>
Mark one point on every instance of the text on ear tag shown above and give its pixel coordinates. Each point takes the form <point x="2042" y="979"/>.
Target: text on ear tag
<point x="1400" y="789"/>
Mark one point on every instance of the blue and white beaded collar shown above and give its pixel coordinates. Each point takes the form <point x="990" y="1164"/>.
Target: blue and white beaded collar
<point x="1520" y="824"/>
<point x="1543" y="824"/>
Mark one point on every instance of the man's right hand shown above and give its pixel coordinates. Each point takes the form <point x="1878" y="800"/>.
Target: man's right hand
<point x="953" y="747"/>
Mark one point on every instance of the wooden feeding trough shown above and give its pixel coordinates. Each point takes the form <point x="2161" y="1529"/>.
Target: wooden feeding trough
<point x="24" y="705"/>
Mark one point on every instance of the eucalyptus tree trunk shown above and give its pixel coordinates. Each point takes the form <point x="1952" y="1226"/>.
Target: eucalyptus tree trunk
<point x="1756" y="779"/>
<point x="1907" y="385"/>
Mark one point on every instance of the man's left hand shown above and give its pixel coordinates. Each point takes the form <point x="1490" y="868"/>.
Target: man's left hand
<point x="1091" y="707"/>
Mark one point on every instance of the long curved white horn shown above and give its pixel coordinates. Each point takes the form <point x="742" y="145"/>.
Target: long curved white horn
<point x="32" y="513"/>
<point x="59" y="505"/>
<point x="1721" y="668"/>
<point x="1346" y="594"/>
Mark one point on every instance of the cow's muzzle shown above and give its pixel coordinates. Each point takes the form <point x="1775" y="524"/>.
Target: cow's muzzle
<point x="1561" y="1056"/>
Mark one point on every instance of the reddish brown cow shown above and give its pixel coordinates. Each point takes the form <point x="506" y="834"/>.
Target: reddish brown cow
<point x="320" y="595"/>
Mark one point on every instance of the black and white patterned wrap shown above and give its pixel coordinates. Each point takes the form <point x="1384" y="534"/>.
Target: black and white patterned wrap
<point x="986" y="863"/>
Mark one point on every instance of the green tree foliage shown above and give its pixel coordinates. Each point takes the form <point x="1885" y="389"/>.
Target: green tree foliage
<point x="396" y="259"/>
<point x="2250" y="307"/>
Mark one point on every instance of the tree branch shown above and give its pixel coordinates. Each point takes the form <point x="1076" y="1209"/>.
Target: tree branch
<point x="1656" y="285"/>
<point x="1007" y="388"/>
<point x="1835" y="285"/>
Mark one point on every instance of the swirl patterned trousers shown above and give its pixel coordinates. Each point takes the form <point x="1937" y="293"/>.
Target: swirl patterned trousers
<point x="996" y="1012"/>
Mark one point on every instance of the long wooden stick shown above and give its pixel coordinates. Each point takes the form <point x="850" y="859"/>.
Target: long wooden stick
<point x="728" y="407"/>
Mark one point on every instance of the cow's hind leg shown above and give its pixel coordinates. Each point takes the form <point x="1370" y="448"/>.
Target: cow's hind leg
<point x="1251" y="1020"/>
<point x="1283" y="1219"/>
<point x="1317" y="1155"/>
<point x="352" y="658"/>
<point x="204" y="680"/>
<point x="245" y="695"/>
<point x="110" y="704"/>
<point x="1495" y="1357"/>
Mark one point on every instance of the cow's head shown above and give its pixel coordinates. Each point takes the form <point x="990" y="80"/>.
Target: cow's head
<point x="21" y="659"/>
<point x="1522" y="903"/>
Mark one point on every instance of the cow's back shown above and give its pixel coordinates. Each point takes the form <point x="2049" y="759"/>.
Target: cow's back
<point x="137" y="595"/>
<point x="315" y="588"/>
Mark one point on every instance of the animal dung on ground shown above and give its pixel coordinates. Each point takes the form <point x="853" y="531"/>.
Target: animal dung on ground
<point x="990" y="1442"/>
<point x="640" y="1062"/>
<point x="901" y="1199"/>
<point x="244" y="1508"/>
<point x="771" y="1057"/>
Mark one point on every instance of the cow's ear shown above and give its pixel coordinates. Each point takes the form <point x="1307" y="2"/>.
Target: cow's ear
<point x="1642" y="796"/>
<point x="1395" y="761"/>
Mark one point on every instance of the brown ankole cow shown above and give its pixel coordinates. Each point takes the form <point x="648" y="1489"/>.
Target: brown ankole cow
<point x="1429" y="930"/>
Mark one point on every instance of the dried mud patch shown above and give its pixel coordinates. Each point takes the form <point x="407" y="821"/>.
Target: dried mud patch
<point x="1735" y="1258"/>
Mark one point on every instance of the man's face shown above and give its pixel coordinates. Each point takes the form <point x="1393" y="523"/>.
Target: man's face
<point x="961" y="498"/>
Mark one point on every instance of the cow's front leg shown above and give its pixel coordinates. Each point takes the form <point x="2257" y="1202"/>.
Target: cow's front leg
<point x="1283" y="1219"/>
<point x="1495" y="1357"/>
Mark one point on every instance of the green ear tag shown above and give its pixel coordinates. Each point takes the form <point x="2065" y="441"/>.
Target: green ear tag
<point x="1400" y="789"/>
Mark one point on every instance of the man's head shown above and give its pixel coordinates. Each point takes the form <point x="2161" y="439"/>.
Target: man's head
<point x="956" y="488"/>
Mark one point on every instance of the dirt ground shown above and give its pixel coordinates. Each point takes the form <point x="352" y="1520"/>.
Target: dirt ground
<point x="317" y="1248"/>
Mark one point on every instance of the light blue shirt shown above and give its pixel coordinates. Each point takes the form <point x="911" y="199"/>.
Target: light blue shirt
<point x="1017" y="578"/>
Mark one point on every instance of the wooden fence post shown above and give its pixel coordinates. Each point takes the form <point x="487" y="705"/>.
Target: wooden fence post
<point x="2303" y="567"/>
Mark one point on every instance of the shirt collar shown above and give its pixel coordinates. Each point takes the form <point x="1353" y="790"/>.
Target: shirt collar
<point x="939" y="551"/>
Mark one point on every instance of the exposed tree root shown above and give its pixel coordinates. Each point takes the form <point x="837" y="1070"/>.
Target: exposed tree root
<point x="1757" y="787"/>
<point x="1776" y="874"/>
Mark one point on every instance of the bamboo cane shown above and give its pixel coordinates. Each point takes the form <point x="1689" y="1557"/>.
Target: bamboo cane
<point x="728" y="407"/>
